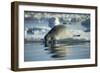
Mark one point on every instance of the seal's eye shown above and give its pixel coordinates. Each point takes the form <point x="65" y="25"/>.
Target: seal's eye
<point x="76" y="35"/>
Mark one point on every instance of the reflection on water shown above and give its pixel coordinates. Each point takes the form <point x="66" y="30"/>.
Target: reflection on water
<point x="37" y="52"/>
<point x="59" y="52"/>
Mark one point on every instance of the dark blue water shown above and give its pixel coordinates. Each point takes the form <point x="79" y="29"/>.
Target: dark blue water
<point x="37" y="52"/>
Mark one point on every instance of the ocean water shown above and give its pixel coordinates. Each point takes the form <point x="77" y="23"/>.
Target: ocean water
<point x="37" y="52"/>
